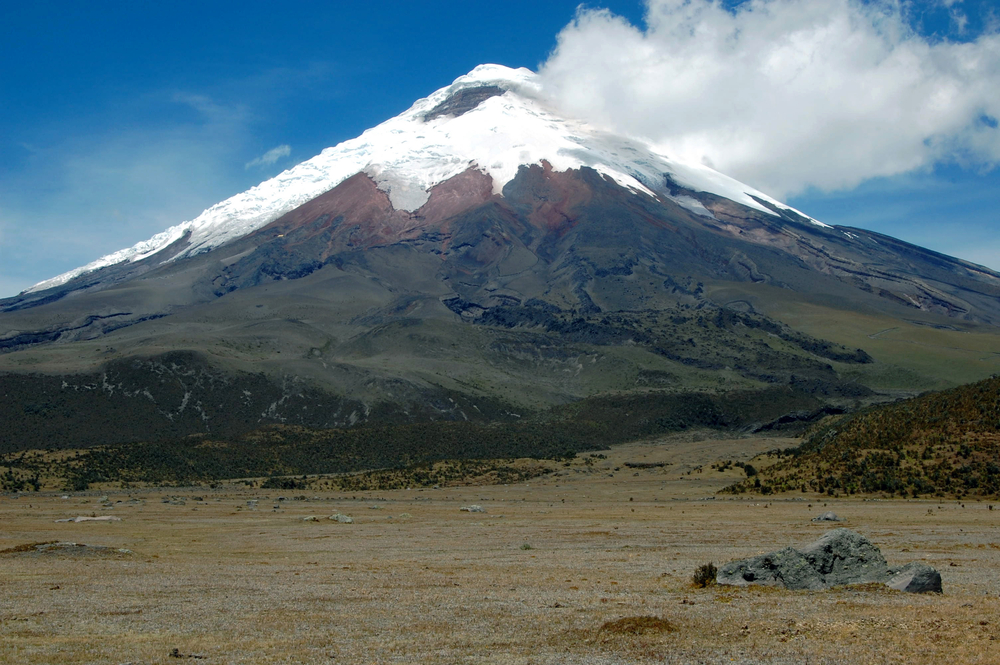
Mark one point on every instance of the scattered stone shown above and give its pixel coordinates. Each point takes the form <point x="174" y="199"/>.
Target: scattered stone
<point x="828" y="516"/>
<point x="474" y="508"/>
<point x="311" y="518"/>
<point x="839" y="557"/>
<point x="175" y="653"/>
<point x="342" y="519"/>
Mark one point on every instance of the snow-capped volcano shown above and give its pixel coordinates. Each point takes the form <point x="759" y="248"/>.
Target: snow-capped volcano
<point x="494" y="119"/>
<point x="477" y="255"/>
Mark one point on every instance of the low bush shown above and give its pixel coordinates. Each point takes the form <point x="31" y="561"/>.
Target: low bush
<point x="705" y="575"/>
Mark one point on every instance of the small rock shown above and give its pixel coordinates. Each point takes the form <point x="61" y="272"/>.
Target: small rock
<point x="828" y="516"/>
<point x="915" y="577"/>
<point x="343" y="519"/>
<point x="475" y="508"/>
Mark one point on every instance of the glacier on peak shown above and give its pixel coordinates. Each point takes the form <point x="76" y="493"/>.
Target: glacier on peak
<point x="407" y="155"/>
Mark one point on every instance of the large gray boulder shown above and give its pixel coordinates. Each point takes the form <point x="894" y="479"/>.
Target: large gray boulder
<point x="787" y="568"/>
<point x="843" y="556"/>
<point x="915" y="577"/>
<point x="839" y="557"/>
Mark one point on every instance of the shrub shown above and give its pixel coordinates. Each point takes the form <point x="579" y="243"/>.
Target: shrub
<point x="705" y="575"/>
<point x="276" y="483"/>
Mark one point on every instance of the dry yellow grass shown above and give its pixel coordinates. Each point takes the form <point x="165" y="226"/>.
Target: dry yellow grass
<point x="607" y="577"/>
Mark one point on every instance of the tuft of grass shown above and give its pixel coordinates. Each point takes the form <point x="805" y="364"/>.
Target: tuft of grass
<point x="705" y="575"/>
<point x="527" y="546"/>
<point x="644" y="625"/>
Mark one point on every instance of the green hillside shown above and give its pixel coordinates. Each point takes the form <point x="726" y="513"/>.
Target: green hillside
<point x="944" y="444"/>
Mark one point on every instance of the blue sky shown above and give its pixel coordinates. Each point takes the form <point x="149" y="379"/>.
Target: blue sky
<point x="119" y="119"/>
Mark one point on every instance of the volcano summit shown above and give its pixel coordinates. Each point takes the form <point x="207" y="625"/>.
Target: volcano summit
<point x="482" y="257"/>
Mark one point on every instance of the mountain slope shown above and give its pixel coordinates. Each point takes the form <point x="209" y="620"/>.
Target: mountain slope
<point x="493" y="118"/>
<point x="480" y="255"/>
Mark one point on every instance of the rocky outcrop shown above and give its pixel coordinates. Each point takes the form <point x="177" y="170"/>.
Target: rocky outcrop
<point x="787" y="568"/>
<point x="840" y="557"/>
<point x="843" y="556"/>
<point x="463" y="101"/>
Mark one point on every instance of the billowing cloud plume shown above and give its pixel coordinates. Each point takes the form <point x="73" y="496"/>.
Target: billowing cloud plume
<point x="785" y="94"/>
<point x="270" y="157"/>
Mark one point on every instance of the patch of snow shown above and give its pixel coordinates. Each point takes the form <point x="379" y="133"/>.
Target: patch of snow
<point x="406" y="156"/>
<point x="692" y="204"/>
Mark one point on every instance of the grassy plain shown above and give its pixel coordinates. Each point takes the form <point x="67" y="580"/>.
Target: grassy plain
<point x="591" y="564"/>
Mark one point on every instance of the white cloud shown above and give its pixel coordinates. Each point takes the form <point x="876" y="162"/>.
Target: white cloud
<point x="784" y="94"/>
<point x="270" y="157"/>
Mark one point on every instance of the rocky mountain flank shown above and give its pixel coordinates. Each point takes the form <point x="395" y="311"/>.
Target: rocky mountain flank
<point x="527" y="275"/>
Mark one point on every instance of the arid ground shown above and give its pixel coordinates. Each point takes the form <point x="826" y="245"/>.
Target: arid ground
<point x="592" y="565"/>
